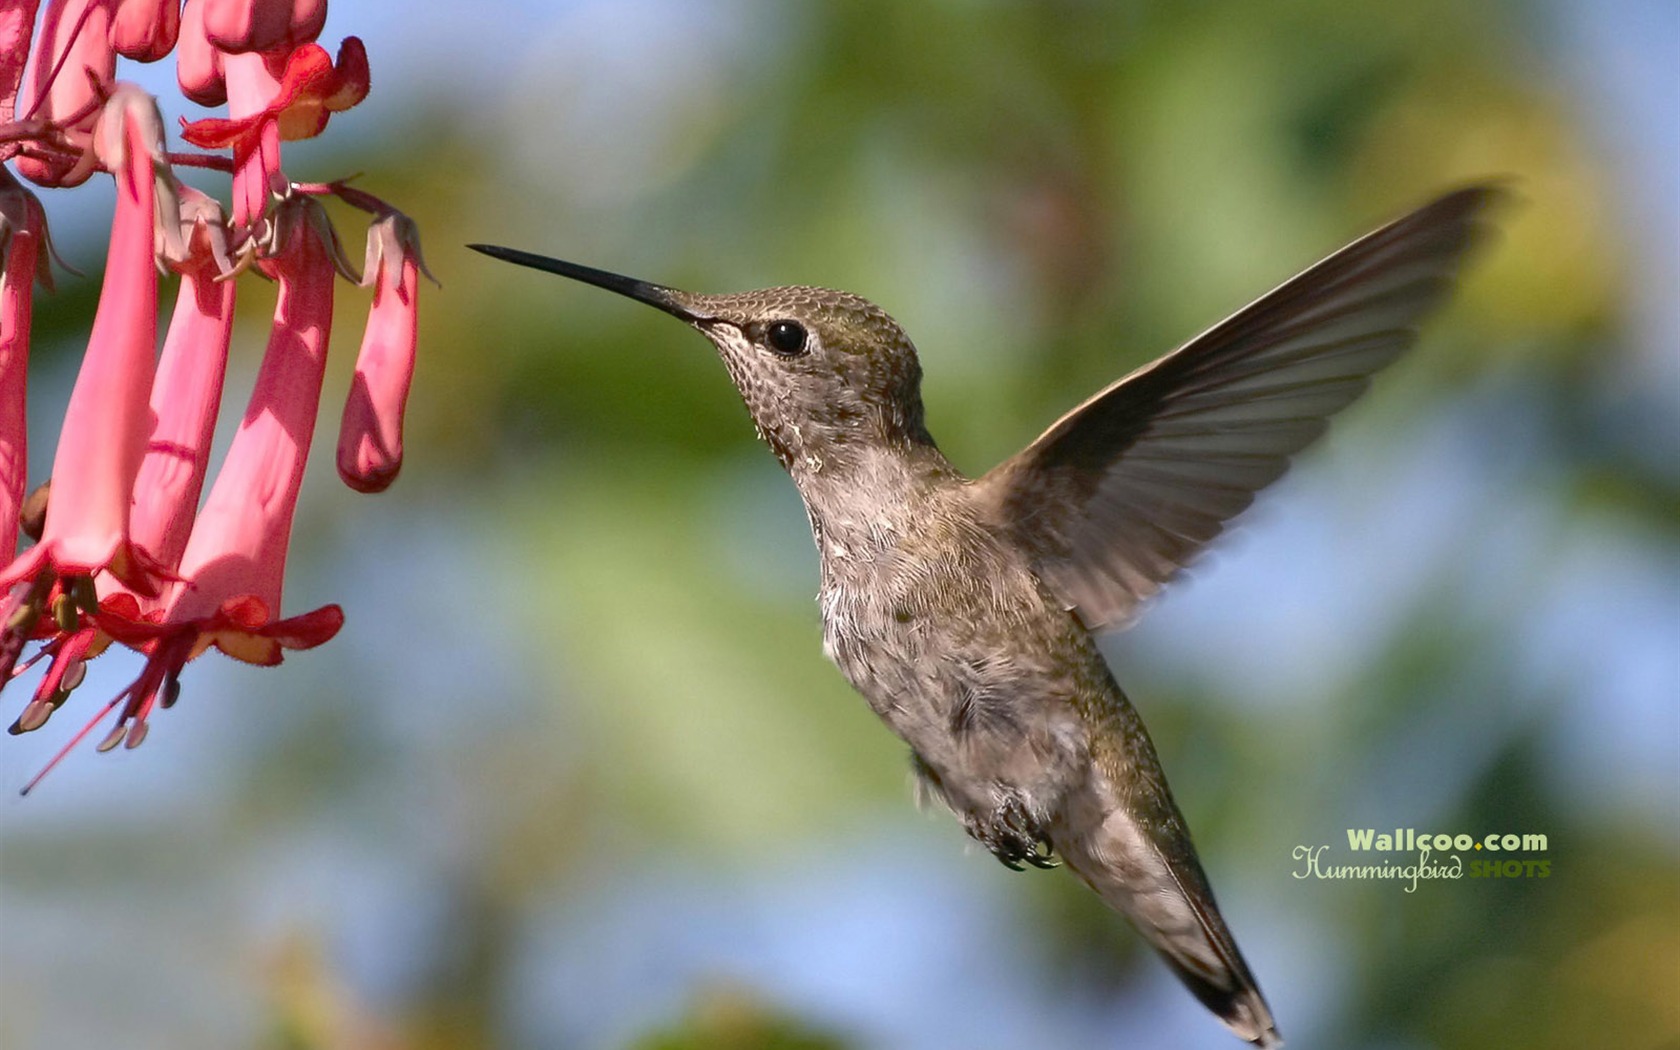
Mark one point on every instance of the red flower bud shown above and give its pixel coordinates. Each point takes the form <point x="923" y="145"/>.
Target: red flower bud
<point x="370" y="437"/>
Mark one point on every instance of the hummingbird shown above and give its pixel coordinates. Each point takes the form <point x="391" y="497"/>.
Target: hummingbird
<point x="965" y="610"/>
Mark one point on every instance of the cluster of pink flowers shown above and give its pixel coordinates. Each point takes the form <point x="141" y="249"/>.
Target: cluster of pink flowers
<point x="124" y="552"/>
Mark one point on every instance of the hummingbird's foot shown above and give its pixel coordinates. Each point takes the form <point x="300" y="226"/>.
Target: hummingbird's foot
<point x="1043" y="856"/>
<point x="1014" y="836"/>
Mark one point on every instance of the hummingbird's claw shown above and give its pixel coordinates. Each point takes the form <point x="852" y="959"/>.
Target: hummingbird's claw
<point x="1043" y="856"/>
<point x="1013" y="836"/>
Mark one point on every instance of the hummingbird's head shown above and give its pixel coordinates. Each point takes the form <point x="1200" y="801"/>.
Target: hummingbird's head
<point x="824" y="373"/>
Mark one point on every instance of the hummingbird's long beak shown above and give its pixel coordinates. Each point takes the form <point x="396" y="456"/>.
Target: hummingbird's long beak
<point x="678" y="304"/>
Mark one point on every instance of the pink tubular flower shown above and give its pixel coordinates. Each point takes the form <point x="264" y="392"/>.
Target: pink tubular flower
<point x="187" y="392"/>
<point x="22" y="228"/>
<point x="238" y="544"/>
<point x="125" y="555"/>
<point x="108" y="421"/>
<point x="370" y="436"/>
<point x="234" y="564"/>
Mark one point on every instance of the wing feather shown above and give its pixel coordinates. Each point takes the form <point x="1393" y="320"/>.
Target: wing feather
<point x="1125" y="490"/>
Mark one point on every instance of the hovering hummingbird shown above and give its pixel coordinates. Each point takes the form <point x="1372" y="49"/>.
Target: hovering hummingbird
<point x="964" y="609"/>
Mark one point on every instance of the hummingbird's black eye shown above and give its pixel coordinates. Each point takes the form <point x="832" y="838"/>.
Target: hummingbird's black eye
<point x="786" y="337"/>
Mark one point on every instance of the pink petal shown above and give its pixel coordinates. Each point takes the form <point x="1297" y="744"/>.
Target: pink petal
<point x="310" y="87"/>
<point x="243" y="628"/>
<point x="221" y="132"/>
<point x="306" y="630"/>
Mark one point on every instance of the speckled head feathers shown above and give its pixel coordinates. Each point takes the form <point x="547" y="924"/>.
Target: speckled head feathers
<point x="821" y="371"/>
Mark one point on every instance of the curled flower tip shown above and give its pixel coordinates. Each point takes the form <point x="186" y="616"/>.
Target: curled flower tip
<point x="131" y="120"/>
<point x="237" y="26"/>
<point x="349" y="83"/>
<point x="370" y="449"/>
<point x="145" y="30"/>
<point x="312" y="88"/>
<point x="71" y="66"/>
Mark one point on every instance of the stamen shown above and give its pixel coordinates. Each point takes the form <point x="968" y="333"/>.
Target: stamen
<point x="64" y="614"/>
<point x="81" y="734"/>
<point x="24" y="618"/>
<point x="45" y="651"/>
<point x="34" y="511"/>
<point x="34" y="716"/>
<point x="84" y="594"/>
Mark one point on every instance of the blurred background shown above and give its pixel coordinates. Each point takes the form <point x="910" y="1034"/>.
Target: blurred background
<point x="576" y="773"/>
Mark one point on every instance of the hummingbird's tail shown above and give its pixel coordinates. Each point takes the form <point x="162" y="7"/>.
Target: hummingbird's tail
<point x="1136" y="854"/>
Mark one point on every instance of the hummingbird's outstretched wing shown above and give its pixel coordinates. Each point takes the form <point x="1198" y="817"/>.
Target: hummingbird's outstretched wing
<point x="1129" y="487"/>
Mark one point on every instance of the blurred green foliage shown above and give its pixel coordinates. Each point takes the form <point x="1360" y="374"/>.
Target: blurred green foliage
<point x="725" y="1020"/>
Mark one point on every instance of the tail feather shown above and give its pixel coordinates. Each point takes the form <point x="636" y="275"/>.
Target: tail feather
<point x="1147" y="870"/>
<point x="1239" y="1005"/>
